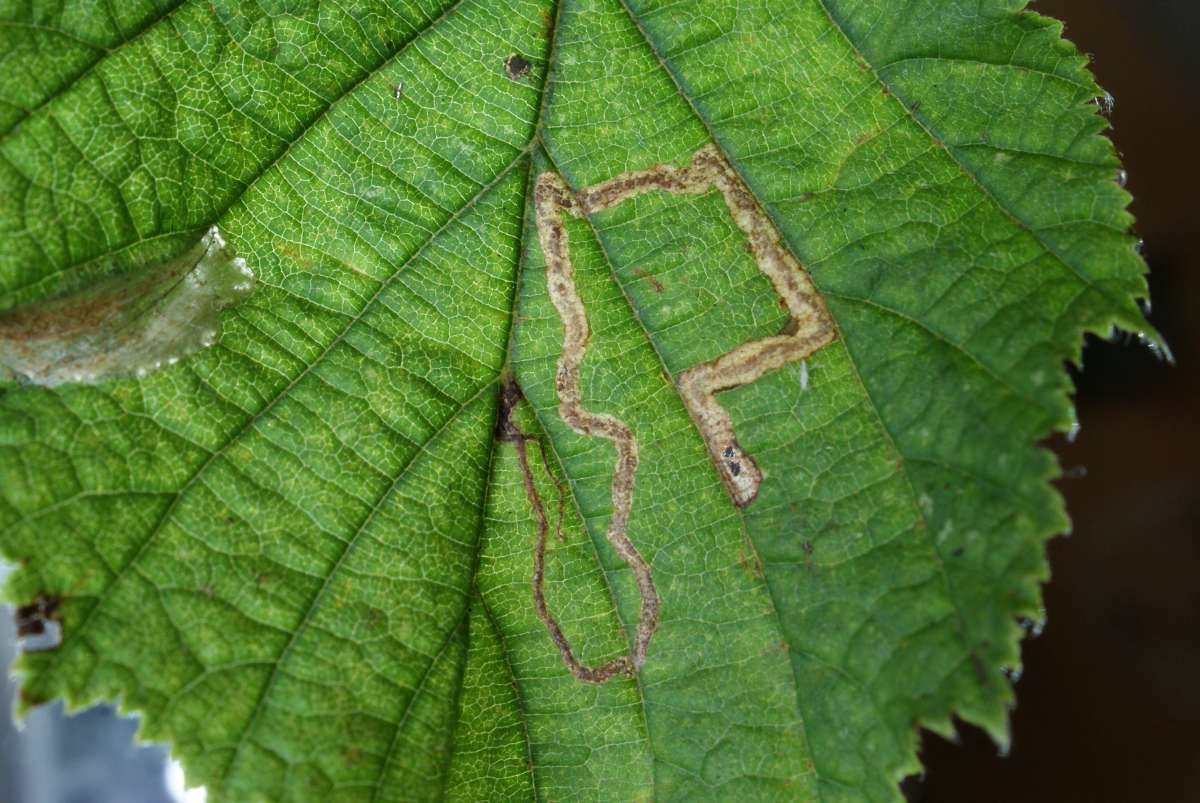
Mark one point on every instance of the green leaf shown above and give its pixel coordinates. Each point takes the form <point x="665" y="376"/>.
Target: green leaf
<point x="637" y="400"/>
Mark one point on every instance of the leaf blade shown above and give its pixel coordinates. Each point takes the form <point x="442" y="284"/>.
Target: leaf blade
<point x="902" y="513"/>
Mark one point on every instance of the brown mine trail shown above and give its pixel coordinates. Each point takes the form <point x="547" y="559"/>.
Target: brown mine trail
<point x="809" y="328"/>
<point x="508" y="431"/>
<point x="810" y="325"/>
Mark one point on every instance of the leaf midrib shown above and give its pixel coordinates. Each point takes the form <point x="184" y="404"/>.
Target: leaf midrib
<point x="536" y="141"/>
<point x="737" y="511"/>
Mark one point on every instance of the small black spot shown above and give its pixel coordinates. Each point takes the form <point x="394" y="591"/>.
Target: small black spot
<point x="807" y="546"/>
<point x="958" y="553"/>
<point x="516" y="67"/>
<point x="31" y="619"/>
<point x="28" y="622"/>
<point x="729" y="451"/>
<point x="736" y="468"/>
<point x="510" y="397"/>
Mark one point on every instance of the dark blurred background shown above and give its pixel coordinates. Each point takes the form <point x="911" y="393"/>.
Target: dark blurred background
<point x="1109" y="703"/>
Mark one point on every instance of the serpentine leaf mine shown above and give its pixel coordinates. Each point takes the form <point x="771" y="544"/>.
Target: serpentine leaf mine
<point x="810" y="328"/>
<point x="551" y="196"/>
<point x="508" y="431"/>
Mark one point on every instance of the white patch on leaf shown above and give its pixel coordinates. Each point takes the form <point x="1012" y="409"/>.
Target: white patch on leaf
<point x="131" y="325"/>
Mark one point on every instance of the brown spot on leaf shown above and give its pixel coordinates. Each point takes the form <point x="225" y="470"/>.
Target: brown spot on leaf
<point x="516" y="67"/>
<point x="750" y="561"/>
<point x="654" y="282"/>
<point x="31" y="619"/>
<point x="32" y="699"/>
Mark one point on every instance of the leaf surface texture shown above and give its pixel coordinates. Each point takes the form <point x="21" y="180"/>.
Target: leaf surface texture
<point x="305" y="555"/>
